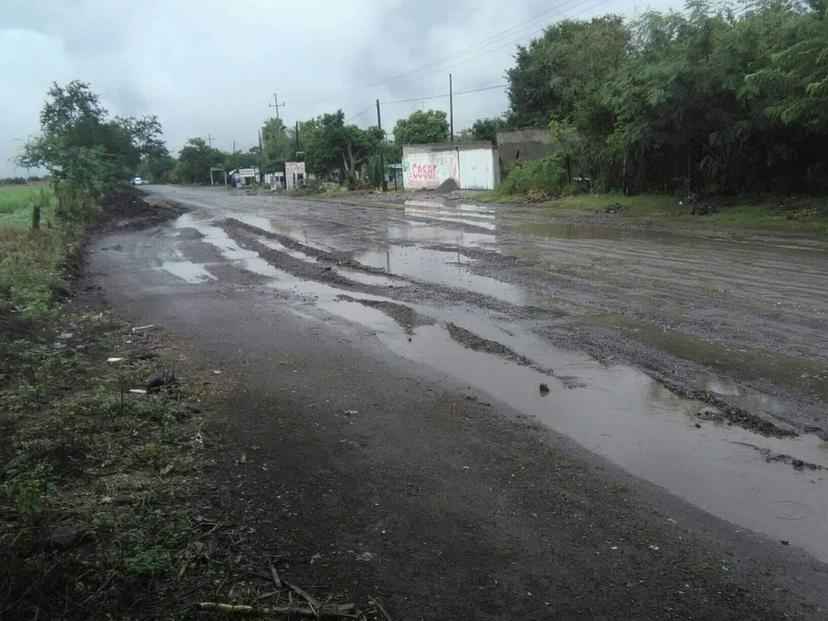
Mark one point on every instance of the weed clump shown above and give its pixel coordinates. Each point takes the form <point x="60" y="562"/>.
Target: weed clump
<point x="542" y="177"/>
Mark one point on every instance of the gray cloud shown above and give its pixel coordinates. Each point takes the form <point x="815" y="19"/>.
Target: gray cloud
<point x="212" y="67"/>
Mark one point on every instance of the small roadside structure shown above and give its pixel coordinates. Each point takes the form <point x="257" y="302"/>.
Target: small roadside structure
<point x="394" y="174"/>
<point x="244" y="176"/>
<point x="217" y="170"/>
<point x="294" y="175"/>
<point x="522" y="144"/>
<point x="276" y="180"/>
<point x="471" y="165"/>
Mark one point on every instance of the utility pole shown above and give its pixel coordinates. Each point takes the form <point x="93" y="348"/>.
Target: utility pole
<point x="382" y="150"/>
<point x="209" y="140"/>
<point x="451" y="109"/>
<point x="296" y="133"/>
<point x="261" y="158"/>
<point x="276" y="105"/>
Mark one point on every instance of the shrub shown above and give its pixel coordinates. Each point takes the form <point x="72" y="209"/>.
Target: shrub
<point x="146" y="561"/>
<point x="546" y="175"/>
<point x="30" y="269"/>
<point x="75" y="203"/>
<point x="28" y="487"/>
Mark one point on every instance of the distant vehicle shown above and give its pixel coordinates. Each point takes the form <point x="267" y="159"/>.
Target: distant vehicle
<point x="136" y="180"/>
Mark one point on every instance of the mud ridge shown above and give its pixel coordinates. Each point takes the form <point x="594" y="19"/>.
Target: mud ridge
<point x="678" y="382"/>
<point x="725" y="412"/>
<point x="244" y="236"/>
<point x="404" y="315"/>
<point x="292" y="244"/>
<point x="770" y="456"/>
<point x="478" y="343"/>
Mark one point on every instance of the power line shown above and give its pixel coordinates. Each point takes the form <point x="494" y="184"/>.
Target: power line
<point x="474" y="90"/>
<point x="483" y="43"/>
<point x="508" y="43"/>
<point x="359" y="114"/>
<point x="479" y="45"/>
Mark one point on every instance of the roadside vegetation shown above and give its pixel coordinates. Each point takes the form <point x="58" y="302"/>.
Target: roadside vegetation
<point x="720" y="100"/>
<point x="85" y="519"/>
<point x="106" y="511"/>
<point x="715" y="111"/>
<point x="722" y="104"/>
<point x="795" y="214"/>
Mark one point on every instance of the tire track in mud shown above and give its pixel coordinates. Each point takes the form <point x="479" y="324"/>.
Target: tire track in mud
<point x="405" y="316"/>
<point x="472" y="341"/>
<point x="436" y="294"/>
<point x="420" y="292"/>
<point x="409" y="319"/>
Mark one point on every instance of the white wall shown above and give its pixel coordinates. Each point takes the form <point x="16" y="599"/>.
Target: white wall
<point x="477" y="169"/>
<point x="424" y="168"/>
<point x="472" y="168"/>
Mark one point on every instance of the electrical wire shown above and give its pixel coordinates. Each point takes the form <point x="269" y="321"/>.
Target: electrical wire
<point x="475" y="47"/>
<point x="474" y="90"/>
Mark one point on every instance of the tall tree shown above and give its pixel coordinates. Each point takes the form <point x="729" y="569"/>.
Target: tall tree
<point x="278" y="144"/>
<point x="195" y="160"/>
<point x="422" y="127"/>
<point x="331" y="145"/>
<point x="80" y="145"/>
<point x="563" y="69"/>
<point x="485" y="129"/>
<point x="705" y="100"/>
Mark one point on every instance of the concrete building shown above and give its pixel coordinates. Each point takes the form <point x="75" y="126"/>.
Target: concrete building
<point x="275" y="180"/>
<point x="522" y="144"/>
<point x="472" y="165"/>
<point x="244" y="176"/>
<point x="294" y="175"/>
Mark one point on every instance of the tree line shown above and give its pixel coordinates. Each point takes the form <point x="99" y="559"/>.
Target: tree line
<point x="724" y="99"/>
<point x="730" y="99"/>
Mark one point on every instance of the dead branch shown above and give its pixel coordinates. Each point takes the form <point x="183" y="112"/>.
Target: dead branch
<point x="302" y="611"/>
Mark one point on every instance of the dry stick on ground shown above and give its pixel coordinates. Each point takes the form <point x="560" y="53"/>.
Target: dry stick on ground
<point x="302" y="611"/>
<point x="312" y="601"/>
<point x="380" y="607"/>
<point x="276" y="580"/>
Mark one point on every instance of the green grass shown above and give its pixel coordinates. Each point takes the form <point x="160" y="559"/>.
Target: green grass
<point x="31" y="262"/>
<point x="16" y="205"/>
<point x="794" y="214"/>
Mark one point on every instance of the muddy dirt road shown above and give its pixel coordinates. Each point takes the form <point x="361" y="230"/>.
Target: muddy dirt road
<point x="476" y="409"/>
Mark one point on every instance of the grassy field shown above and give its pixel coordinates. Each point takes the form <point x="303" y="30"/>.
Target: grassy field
<point x="31" y="262"/>
<point x="794" y="214"/>
<point x="16" y="205"/>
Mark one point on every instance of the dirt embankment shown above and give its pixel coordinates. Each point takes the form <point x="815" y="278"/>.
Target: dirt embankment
<point x="107" y="507"/>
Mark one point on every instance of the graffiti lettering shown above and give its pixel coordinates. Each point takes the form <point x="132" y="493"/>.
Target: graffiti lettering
<point x="423" y="171"/>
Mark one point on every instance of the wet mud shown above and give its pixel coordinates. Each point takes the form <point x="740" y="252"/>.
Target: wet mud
<point x="473" y="341"/>
<point x="405" y="316"/>
<point x="435" y="292"/>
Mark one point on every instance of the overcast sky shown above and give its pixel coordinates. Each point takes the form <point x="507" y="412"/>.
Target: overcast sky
<point x="212" y="67"/>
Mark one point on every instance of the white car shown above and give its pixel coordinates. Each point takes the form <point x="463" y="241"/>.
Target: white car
<point x="136" y="180"/>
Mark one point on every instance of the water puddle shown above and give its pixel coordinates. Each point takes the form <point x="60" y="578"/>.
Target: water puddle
<point x="622" y="414"/>
<point x="215" y="236"/>
<point x="775" y="486"/>
<point x="436" y="234"/>
<point x="569" y="230"/>
<point x="296" y="254"/>
<point x="258" y="221"/>
<point x="193" y="273"/>
<point x="746" y="398"/>
<point x="432" y="210"/>
<point x="650" y="432"/>
<point x="486" y="223"/>
<point x="375" y="280"/>
<point x="445" y="268"/>
<point x="476" y="209"/>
